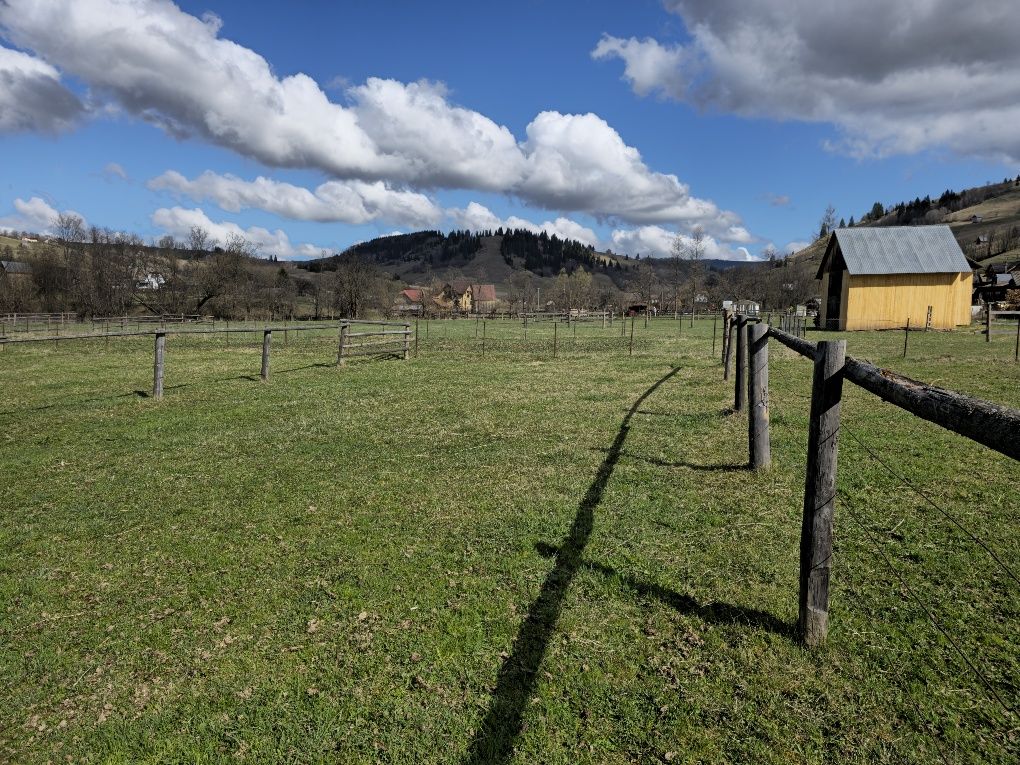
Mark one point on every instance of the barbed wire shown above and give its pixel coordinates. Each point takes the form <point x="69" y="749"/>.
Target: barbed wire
<point x="928" y="612"/>
<point x="945" y="513"/>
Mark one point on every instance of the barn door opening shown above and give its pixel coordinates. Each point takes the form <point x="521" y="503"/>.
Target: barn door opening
<point x="833" y="307"/>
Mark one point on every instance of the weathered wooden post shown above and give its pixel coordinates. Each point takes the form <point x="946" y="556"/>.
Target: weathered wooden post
<point x="820" y="491"/>
<point x="728" y="350"/>
<point x="758" y="394"/>
<point x="631" y="351"/>
<point x="416" y="338"/>
<point x="157" y="367"/>
<point x="344" y="330"/>
<point x="906" y="337"/>
<point x="740" y="387"/>
<point x="267" y="338"/>
<point x="715" y="321"/>
<point x="407" y="341"/>
<point x="725" y="333"/>
<point x="483" y="339"/>
<point x="988" y="322"/>
<point x="555" y="325"/>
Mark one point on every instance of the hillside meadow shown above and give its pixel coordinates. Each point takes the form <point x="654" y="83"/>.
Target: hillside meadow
<point x="499" y="558"/>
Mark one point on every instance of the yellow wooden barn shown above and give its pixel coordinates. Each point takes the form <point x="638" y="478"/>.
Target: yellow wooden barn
<point x="879" y="278"/>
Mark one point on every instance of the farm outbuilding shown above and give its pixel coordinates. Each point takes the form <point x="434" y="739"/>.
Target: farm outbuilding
<point x="879" y="278"/>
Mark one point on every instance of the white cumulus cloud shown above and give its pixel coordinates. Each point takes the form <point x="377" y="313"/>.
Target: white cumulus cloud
<point x="354" y="202"/>
<point x="657" y="242"/>
<point x="178" y="221"/>
<point x="174" y="70"/>
<point x="32" y="98"/>
<point x="35" y="215"/>
<point x="478" y="217"/>
<point x="893" y="77"/>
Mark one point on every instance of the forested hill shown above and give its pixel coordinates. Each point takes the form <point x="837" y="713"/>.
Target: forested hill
<point x="491" y="257"/>
<point x="542" y="254"/>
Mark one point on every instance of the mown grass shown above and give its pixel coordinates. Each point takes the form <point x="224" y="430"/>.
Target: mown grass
<point x="485" y="559"/>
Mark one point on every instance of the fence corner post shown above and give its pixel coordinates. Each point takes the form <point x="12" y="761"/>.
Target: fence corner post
<point x="267" y="338"/>
<point x="740" y="387"/>
<point x="820" y="491"/>
<point x="157" y="367"/>
<point x="760" y="449"/>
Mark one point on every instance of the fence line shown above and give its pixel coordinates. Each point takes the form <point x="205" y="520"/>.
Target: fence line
<point x="984" y="422"/>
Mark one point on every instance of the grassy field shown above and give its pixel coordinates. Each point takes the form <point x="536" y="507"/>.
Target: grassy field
<point x="512" y="558"/>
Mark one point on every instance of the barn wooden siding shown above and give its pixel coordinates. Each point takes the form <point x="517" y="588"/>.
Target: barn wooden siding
<point x="886" y="301"/>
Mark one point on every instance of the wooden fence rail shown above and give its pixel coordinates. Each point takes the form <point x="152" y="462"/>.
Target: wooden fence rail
<point x="984" y="422"/>
<point x="394" y="343"/>
<point x="399" y="345"/>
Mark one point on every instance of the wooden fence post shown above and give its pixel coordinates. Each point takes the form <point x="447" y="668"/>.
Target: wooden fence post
<point x="631" y="351"/>
<point x="725" y="334"/>
<point x="988" y="322"/>
<point x="344" y="329"/>
<point x="740" y="388"/>
<point x="728" y="350"/>
<point x="416" y="338"/>
<point x="758" y="394"/>
<point x="157" y="367"/>
<point x="483" y="339"/>
<point x="1016" y="350"/>
<point x="407" y="341"/>
<point x="715" y="321"/>
<point x="820" y="491"/>
<point x="906" y="337"/>
<point x="555" y="325"/>
<point x="267" y="338"/>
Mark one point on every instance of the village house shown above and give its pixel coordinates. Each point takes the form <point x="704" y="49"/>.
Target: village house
<point x="880" y="278"/>
<point x="462" y="296"/>
<point x="410" y="301"/>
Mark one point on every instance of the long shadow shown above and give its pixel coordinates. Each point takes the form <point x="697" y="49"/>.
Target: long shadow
<point x="715" y="613"/>
<point x="723" y="467"/>
<point x="68" y="404"/>
<point x="306" y="366"/>
<point x="493" y="741"/>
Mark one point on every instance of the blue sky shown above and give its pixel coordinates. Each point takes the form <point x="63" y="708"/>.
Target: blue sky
<point x="759" y="136"/>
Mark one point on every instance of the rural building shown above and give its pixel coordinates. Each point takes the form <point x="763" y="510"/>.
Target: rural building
<point x="411" y="300"/>
<point x="466" y="297"/>
<point x="879" y="278"/>
<point x="746" y="307"/>
<point x="15" y="268"/>
<point x="483" y="298"/>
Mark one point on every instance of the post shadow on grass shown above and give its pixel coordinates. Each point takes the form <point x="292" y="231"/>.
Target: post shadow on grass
<point x="724" y="467"/>
<point x="494" y="740"/>
<point x="714" y="613"/>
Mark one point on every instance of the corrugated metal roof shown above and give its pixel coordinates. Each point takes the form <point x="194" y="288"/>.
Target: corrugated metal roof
<point x="901" y="250"/>
<point x="15" y="267"/>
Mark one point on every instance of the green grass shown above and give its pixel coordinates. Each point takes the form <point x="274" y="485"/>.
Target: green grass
<point x="508" y="558"/>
